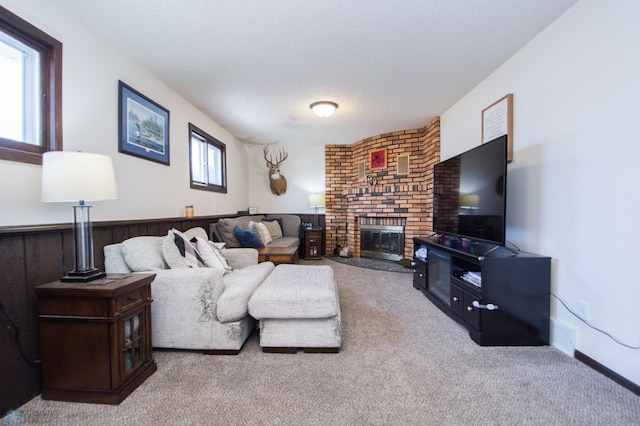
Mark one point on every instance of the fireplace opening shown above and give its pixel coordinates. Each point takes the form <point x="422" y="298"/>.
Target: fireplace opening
<point x="382" y="241"/>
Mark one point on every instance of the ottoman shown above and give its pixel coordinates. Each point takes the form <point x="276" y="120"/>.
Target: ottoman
<point x="298" y="307"/>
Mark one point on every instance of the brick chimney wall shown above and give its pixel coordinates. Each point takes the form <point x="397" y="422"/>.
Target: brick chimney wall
<point x="406" y="198"/>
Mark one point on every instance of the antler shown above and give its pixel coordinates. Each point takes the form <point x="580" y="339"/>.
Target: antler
<point x="282" y="155"/>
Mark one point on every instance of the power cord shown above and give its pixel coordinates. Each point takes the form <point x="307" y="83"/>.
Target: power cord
<point x="16" y="337"/>
<point x="572" y="312"/>
<point x="517" y="249"/>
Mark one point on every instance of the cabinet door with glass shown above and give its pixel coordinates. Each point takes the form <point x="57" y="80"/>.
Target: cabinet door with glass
<point x="439" y="274"/>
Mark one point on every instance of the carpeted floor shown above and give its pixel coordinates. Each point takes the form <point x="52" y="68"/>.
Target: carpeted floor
<point x="403" y="362"/>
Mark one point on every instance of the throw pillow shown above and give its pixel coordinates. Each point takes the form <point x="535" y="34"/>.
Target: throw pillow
<point x="274" y="229"/>
<point x="247" y="238"/>
<point x="223" y="260"/>
<point x="179" y="252"/>
<point x="211" y="256"/>
<point x="196" y="232"/>
<point x="275" y="219"/>
<point x="262" y="232"/>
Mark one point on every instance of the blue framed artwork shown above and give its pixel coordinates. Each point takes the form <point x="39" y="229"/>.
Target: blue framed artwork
<point x="143" y="126"/>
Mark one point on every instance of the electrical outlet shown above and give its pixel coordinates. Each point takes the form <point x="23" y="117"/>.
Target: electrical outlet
<point x="583" y="309"/>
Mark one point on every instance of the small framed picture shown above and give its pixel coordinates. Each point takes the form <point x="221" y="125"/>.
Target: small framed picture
<point x="378" y="159"/>
<point x="143" y="126"/>
<point x="253" y="210"/>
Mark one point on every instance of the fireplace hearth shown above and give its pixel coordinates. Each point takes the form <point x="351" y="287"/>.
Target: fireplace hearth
<point x="382" y="241"/>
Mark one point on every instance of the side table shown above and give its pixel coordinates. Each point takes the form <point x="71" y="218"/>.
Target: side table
<point x="278" y="255"/>
<point x="313" y="243"/>
<point x="95" y="338"/>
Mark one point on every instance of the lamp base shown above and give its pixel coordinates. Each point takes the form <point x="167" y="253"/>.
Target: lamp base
<point x="83" y="276"/>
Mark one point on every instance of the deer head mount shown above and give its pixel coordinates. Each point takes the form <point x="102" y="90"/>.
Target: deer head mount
<point x="277" y="182"/>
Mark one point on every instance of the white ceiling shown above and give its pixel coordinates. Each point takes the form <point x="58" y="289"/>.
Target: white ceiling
<point x="254" y="66"/>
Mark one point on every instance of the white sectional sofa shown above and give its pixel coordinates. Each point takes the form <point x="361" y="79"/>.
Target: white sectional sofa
<point x="196" y="307"/>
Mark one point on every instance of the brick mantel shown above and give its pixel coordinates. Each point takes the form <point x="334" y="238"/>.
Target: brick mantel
<point x="402" y="196"/>
<point x="363" y="191"/>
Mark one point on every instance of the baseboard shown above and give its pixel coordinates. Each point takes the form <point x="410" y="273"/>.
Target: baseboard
<point x="626" y="383"/>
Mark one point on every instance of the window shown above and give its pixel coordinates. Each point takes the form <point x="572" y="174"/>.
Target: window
<point x="208" y="158"/>
<point x="31" y="88"/>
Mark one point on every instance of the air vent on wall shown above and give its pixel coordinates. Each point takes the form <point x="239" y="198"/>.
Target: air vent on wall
<point x="403" y="164"/>
<point x="361" y="171"/>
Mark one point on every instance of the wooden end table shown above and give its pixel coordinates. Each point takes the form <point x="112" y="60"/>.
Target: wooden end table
<point x="313" y="243"/>
<point x="95" y="339"/>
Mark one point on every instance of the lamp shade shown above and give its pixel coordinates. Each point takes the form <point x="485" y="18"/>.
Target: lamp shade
<point x="323" y="108"/>
<point x="316" y="200"/>
<point x="73" y="176"/>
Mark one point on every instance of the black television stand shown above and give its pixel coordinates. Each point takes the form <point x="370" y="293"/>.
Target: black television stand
<point x="502" y="297"/>
<point x="492" y="249"/>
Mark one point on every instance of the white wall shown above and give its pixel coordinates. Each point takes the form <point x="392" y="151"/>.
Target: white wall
<point x="303" y="169"/>
<point x="573" y="184"/>
<point x="91" y="70"/>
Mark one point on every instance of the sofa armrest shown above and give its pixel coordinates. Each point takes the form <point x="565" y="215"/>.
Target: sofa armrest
<point x="178" y="293"/>
<point x="114" y="262"/>
<point x="241" y="257"/>
<point x="239" y="287"/>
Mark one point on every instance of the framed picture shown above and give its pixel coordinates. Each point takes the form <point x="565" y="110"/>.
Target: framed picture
<point x="497" y="120"/>
<point x="143" y="126"/>
<point x="378" y="159"/>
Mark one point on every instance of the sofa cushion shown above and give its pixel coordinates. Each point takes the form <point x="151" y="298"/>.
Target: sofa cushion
<point x="239" y="287"/>
<point x="296" y="291"/>
<point x="274" y="228"/>
<point x="144" y="254"/>
<point x="179" y="252"/>
<point x="246" y="238"/>
<point x="290" y="224"/>
<point x="226" y="226"/>
<point x="285" y="242"/>
<point x="114" y="262"/>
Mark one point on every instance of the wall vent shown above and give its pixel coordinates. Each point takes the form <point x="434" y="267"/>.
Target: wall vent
<point x="403" y="164"/>
<point x="563" y="337"/>
<point x="361" y="171"/>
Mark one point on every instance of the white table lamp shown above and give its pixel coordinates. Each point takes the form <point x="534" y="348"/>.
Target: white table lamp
<point x="79" y="177"/>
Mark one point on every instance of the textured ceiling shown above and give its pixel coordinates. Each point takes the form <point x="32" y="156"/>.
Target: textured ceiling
<point x="254" y="66"/>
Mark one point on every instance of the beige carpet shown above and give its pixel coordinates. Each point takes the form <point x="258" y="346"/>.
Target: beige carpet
<point x="403" y="362"/>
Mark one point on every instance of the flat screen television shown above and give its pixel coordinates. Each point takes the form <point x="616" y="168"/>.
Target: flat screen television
<point x="469" y="193"/>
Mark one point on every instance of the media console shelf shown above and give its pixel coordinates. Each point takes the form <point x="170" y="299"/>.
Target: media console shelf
<point x="509" y="307"/>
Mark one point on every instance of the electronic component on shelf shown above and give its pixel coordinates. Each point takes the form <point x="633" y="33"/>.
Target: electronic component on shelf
<point x="473" y="278"/>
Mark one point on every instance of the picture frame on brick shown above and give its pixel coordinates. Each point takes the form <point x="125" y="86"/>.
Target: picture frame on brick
<point x="378" y="159"/>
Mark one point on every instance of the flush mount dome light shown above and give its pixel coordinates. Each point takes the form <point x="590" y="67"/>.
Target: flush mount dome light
<point x="323" y="108"/>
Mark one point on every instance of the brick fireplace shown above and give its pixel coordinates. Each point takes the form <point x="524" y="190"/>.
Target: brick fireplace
<point x="382" y="238"/>
<point x="393" y="199"/>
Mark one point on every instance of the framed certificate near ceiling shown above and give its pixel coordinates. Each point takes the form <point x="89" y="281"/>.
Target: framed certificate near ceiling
<point x="497" y="120"/>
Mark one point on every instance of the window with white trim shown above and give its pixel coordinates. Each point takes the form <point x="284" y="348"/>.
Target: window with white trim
<point x="31" y="91"/>
<point x="208" y="161"/>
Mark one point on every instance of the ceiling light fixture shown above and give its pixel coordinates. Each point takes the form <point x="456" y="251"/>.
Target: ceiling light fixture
<point x="323" y="108"/>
